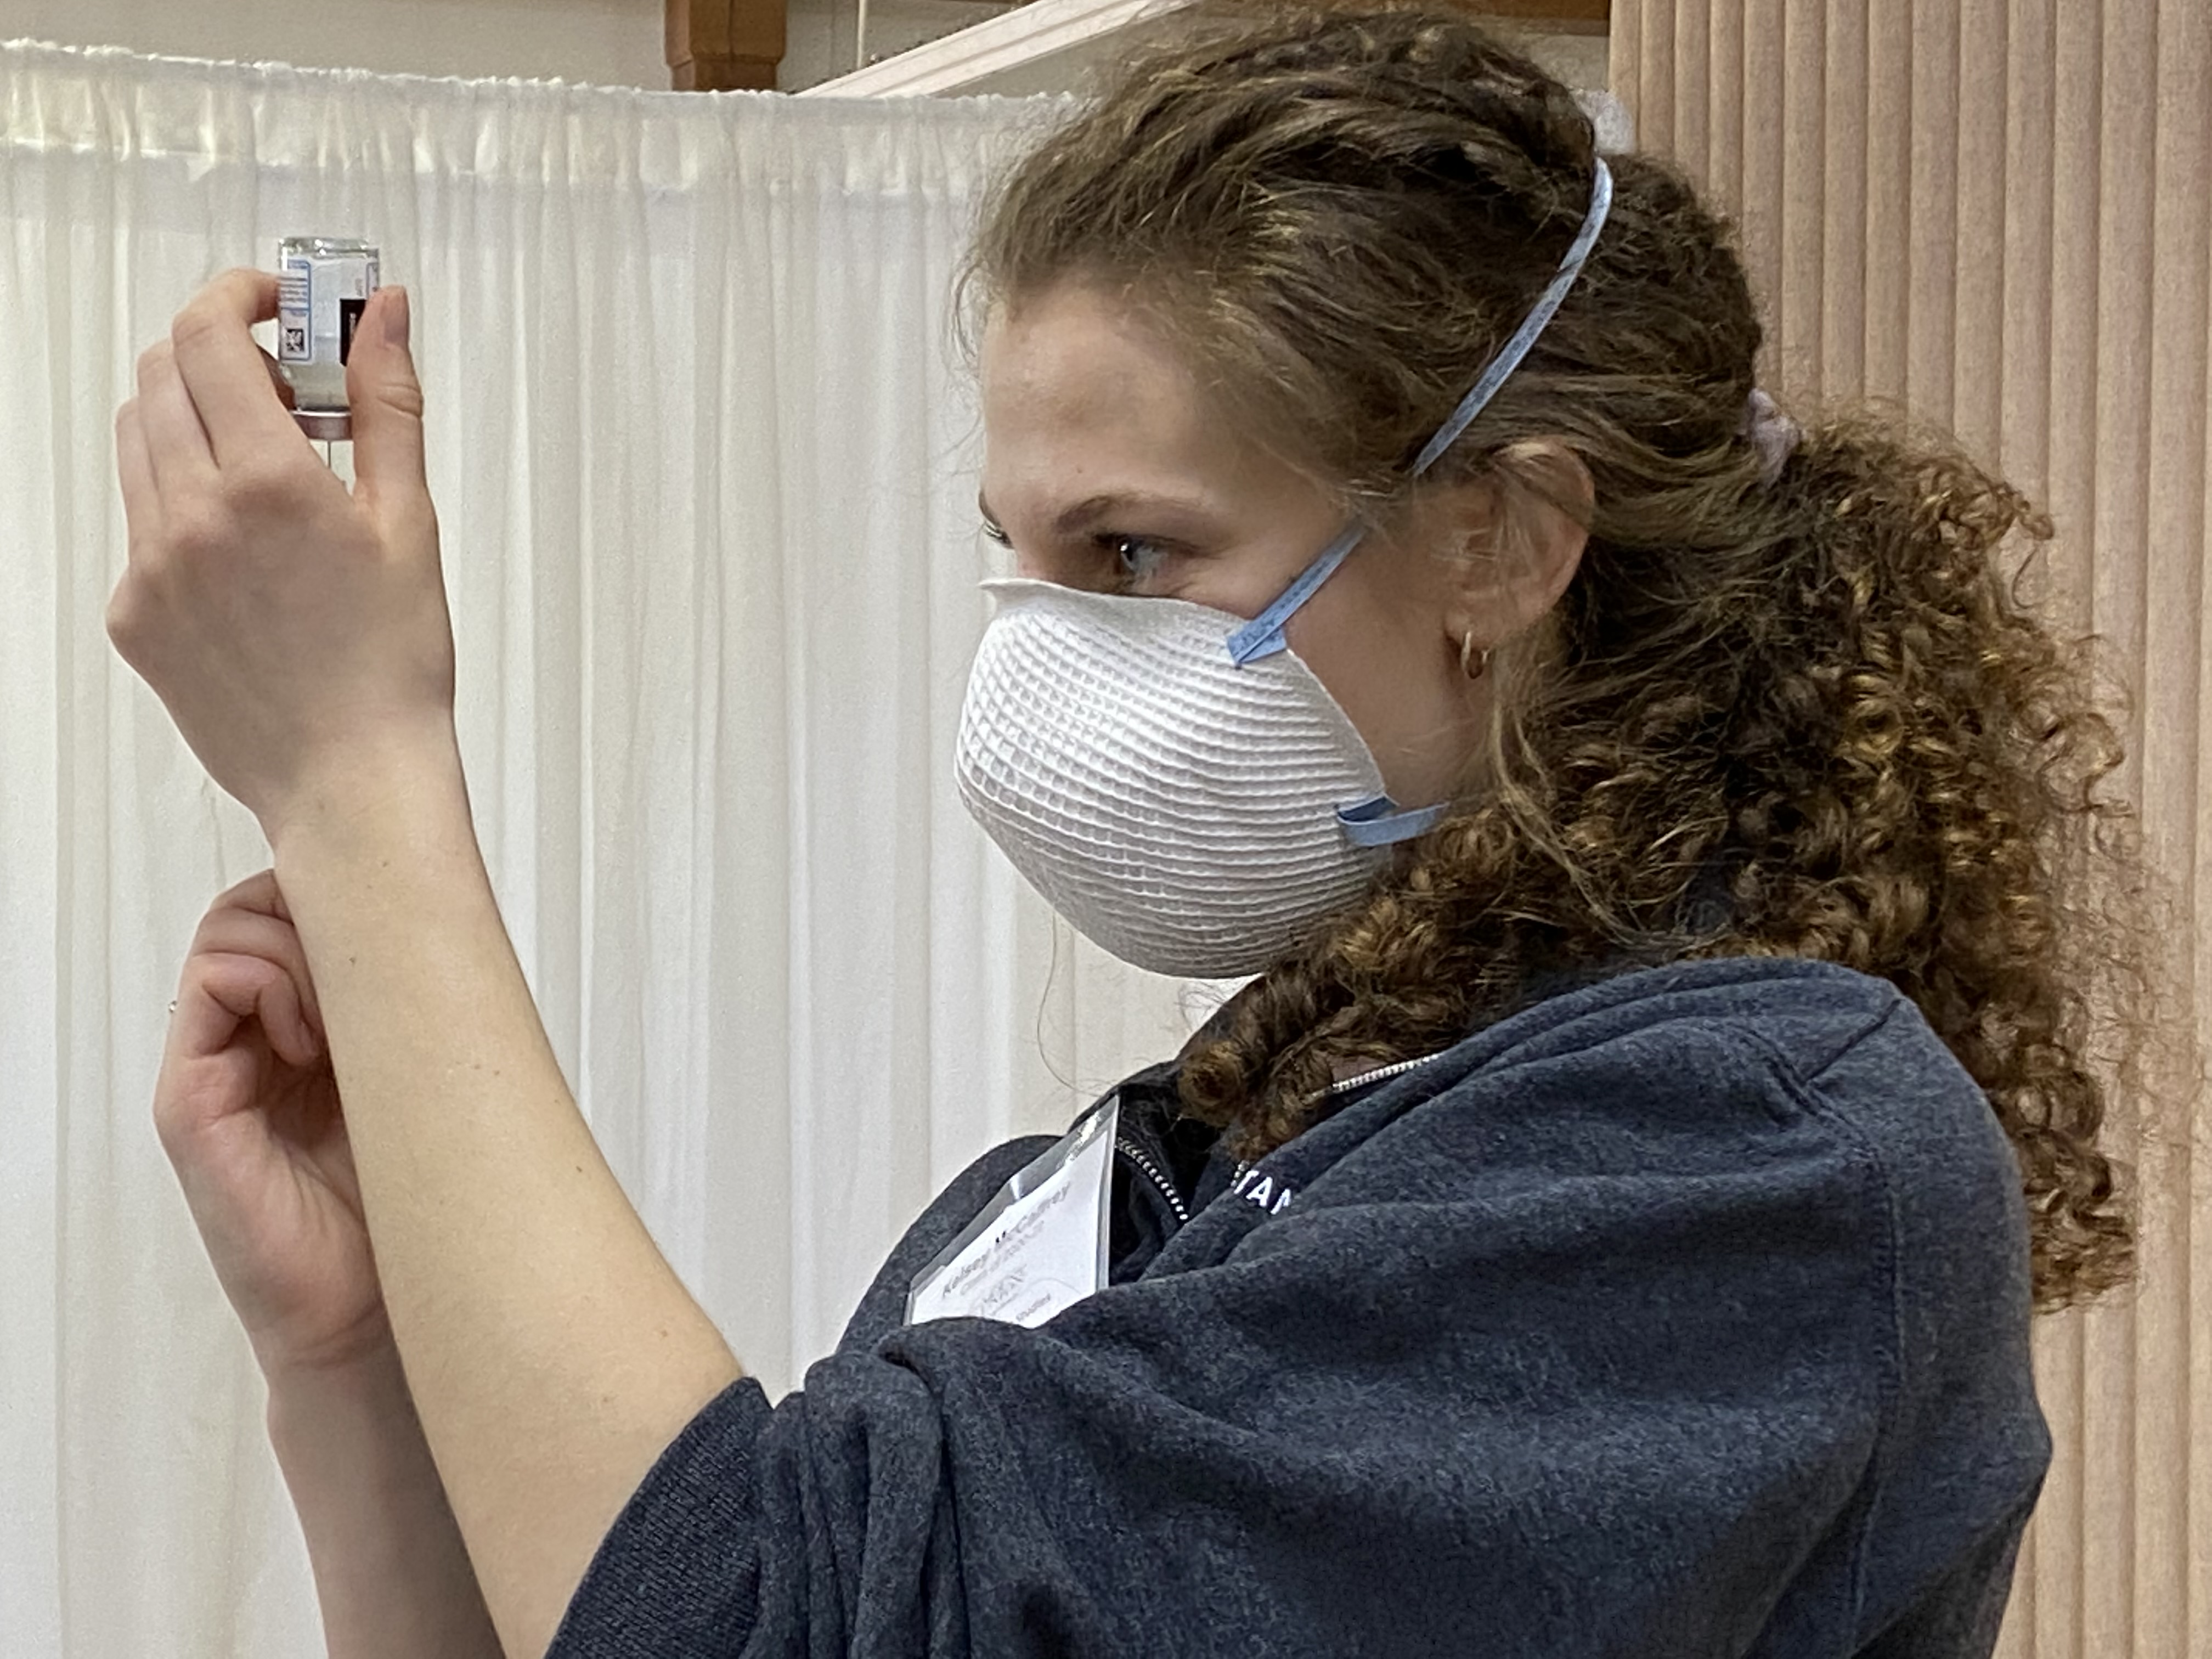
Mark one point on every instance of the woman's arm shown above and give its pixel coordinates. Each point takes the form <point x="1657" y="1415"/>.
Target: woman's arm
<point x="391" y="1572"/>
<point x="248" y="1112"/>
<point x="298" y="633"/>
<point x="553" y="1353"/>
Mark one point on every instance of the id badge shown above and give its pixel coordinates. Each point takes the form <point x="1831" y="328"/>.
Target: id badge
<point x="1039" y="1246"/>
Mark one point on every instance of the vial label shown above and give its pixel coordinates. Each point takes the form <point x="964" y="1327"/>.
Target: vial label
<point x="331" y="284"/>
<point x="322" y="288"/>
<point x="323" y="285"/>
<point x="295" y="287"/>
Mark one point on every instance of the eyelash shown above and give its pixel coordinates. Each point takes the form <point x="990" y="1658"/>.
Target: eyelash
<point x="1115" y="543"/>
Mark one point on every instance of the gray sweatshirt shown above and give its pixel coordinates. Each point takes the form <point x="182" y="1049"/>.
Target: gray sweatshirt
<point x="1683" y="1314"/>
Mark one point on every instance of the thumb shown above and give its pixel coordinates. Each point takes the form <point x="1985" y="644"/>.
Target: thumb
<point x="386" y="400"/>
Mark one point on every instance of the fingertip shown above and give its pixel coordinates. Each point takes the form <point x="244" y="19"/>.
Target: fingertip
<point x="257" y="892"/>
<point x="395" y="315"/>
<point x="300" y="1047"/>
<point x="254" y="288"/>
<point x="238" y="295"/>
<point x="382" y="359"/>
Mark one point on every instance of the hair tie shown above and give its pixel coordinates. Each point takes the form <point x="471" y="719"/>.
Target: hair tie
<point x="1773" y="434"/>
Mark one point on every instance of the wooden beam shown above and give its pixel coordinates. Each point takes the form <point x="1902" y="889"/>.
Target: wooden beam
<point x="1567" y="16"/>
<point x="724" y="45"/>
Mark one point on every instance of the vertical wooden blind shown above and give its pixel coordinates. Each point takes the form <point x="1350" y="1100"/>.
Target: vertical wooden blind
<point x="1996" y="215"/>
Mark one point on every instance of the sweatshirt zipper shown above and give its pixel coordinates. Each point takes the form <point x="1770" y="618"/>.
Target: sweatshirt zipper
<point x="1394" y="1069"/>
<point x="1376" y="1075"/>
<point x="1136" y="1157"/>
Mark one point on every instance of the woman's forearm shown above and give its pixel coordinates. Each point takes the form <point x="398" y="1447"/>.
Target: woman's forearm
<point x="552" y="1353"/>
<point x="391" y="1572"/>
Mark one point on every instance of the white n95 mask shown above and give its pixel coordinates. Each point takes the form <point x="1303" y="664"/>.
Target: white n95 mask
<point x="1172" y="779"/>
<point x="1181" y="809"/>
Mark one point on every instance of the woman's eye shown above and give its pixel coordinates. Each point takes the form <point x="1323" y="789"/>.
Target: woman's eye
<point x="1132" y="561"/>
<point x="1136" y="558"/>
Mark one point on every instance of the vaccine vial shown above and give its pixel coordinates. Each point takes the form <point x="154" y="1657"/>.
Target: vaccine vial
<point x="323" y="285"/>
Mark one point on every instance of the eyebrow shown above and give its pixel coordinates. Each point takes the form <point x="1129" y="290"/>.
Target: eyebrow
<point x="1094" y="509"/>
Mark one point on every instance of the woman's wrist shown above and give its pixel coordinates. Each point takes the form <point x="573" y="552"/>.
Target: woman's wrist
<point x="346" y="1360"/>
<point x="345" y="1431"/>
<point x="367" y="1380"/>
<point x="353" y="798"/>
<point x="391" y="1571"/>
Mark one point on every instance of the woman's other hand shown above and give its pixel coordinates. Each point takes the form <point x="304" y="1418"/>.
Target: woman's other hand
<point x="296" y="631"/>
<point x="248" y="1112"/>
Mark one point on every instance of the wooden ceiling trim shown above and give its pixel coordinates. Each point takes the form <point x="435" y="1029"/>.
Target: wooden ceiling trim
<point x="724" y="45"/>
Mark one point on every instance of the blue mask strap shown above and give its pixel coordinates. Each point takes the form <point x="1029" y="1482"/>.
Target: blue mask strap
<point x="1381" y="822"/>
<point x="1547" y="305"/>
<point x="1263" y="635"/>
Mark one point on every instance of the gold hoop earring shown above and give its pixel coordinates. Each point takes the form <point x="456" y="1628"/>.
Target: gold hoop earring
<point x="1472" y="663"/>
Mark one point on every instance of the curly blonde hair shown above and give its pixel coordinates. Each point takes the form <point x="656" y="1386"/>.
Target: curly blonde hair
<point x="1805" y="716"/>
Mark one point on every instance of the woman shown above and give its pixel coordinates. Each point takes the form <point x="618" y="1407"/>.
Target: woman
<point x="1610" y="1222"/>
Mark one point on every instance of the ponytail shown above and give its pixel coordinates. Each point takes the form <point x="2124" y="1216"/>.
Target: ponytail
<point x="1849" y="741"/>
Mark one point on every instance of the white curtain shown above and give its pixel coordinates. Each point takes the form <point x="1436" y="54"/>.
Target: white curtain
<point x="705" y="466"/>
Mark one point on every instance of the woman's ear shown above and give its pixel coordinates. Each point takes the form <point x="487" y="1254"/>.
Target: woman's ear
<point x="1521" y="532"/>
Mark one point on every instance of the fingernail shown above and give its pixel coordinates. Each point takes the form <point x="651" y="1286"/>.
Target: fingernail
<point x="395" y="317"/>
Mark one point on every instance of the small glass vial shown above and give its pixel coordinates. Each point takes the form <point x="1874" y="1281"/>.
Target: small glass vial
<point x="323" y="285"/>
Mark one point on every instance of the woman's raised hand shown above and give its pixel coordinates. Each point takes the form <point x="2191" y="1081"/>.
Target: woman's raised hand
<point x="296" y="631"/>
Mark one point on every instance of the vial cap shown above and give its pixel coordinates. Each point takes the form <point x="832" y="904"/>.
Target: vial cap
<point x="325" y="425"/>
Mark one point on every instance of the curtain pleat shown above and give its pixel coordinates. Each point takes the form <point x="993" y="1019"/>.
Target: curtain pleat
<point x="1991" y="216"/>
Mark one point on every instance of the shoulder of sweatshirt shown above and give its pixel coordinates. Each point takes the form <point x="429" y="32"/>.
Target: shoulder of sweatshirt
<point x="1663" y="1069"/>
<point x="1647" y="1079"/>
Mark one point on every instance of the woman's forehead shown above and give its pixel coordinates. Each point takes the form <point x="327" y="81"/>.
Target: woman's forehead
<point x="1075" y="356"/>
<point x="1077" y="389"/>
